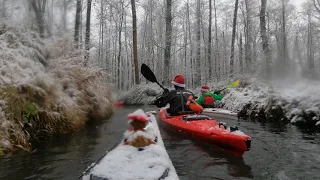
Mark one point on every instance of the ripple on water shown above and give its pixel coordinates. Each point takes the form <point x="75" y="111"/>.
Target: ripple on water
<point x="281" y="175"/>
<point x="288" y="153"/>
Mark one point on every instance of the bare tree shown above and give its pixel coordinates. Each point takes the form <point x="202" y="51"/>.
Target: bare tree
<point x="234" y="26"/>
<point x="216" y="56"/>
<point x="167" y="51"/>
<point x="265" y="43"/>
<point x="248" y="36"/>
<point x="120" y="45"/>
<point x="210" y="40"/>
<point x="284" y="38"/>
<point x="240" y="54"/>
<point x="310" y="46"/>
<point x="198" y="38"/>
<point x="77" y="25"/>
<point x="64" y="15"/>
<point x="87" y="40"/>
<point x="39" y="7"/>
<point x="134" y="41"/>
<point x="3" y="9"/>
<point x="191" y="44"/>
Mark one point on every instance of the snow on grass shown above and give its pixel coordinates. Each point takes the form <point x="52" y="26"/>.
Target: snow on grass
<point x="126" y="162"/>
<point x="141" y="94"/>
<point x="298" y="102"/>
<point x="47" y="82"/>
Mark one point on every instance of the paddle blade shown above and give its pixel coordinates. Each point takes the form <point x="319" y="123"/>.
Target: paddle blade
<point x="147" y="73"/>
<point x="234" y="84"/>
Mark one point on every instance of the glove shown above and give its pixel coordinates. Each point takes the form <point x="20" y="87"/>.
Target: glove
<point x="165" y="91"/>
<point x="216" y="92"/>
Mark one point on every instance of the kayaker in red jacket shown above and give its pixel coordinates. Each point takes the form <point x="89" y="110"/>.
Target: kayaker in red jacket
<point x="176" y="98"/>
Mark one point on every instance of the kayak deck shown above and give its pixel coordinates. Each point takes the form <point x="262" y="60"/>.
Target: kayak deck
<point x="220" y="113"/>
<point x="126" y="162"/>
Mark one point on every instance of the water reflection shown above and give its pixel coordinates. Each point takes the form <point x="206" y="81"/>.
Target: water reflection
<point x="201" y="160"/>
<point x="277" y="151"/>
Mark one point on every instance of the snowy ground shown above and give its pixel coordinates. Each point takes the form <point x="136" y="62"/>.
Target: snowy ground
<point x="49" y="77"/>
<point x="295" y="101"/>
<point x="126" y="162"/>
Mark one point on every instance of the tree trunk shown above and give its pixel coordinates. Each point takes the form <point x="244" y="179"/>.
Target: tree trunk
<point x="210" y="40"/>
<point x="297" y="52"/>
<point x="119" y="52"/>
<point x="216" y="56"/>
<point x="167" y="51"/>
<point x="39" y="11"/>
<point x="248" y="37"/>
<point x="310" y="48"/>
<point x="185" y="41"/>
<point x="128" y="54"/>
<point x="224" y="68"/>
<point x="3" y="9"/>
<point x="77" y="25"/>
<point x="198" y="57"/>
<point x="240" y="54"/>
<point x="284" y="39"/>
<point x="81" y="27"/>
<point x="265" y="43"/>
<point x="191" y="45"/>
<point x="64" y="15"/>
<point x="101" y="32"/>
<point x="234" y="26"/>
<point x="134" y="41"/>
<point x="87" y="40"/>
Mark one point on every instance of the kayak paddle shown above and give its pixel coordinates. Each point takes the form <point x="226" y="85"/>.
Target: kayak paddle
<point x="149" y="75"/>
<point x="232" y="85"/>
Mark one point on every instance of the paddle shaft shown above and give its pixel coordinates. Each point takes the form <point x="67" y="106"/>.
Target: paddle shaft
<point x="160" y="85"/>
<point x="223" y="88"/>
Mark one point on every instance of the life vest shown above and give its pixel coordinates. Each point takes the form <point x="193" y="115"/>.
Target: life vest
<point x="208" y="100"/>
<point x="193" y="105"/>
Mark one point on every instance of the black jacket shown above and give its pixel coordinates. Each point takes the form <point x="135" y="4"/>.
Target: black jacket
<point x="176" y="100"/>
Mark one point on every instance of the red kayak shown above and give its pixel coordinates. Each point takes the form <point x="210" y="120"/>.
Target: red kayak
<point x="118" y="104"/>
<point x="205" y="128"/>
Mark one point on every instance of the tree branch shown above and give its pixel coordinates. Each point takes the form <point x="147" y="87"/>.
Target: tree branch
<point x="316" y="6"/>
<point x="44" y="3"/>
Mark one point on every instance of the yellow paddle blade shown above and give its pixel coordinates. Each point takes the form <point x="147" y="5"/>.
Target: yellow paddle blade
<point x="234" y="84"/>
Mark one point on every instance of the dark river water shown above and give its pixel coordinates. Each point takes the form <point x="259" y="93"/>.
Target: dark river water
<point x="278" y="152"/>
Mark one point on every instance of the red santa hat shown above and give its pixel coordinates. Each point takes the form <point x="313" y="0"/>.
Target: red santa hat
<point x="138" y="115"/>
<point x="179" y="80"/>
<point x="205" y="89"/>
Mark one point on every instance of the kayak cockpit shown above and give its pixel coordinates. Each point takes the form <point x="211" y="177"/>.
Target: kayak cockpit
<point x="195" y="117"/>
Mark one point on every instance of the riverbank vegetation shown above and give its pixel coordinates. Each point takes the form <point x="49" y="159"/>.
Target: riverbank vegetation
<point x="46" y="88"/>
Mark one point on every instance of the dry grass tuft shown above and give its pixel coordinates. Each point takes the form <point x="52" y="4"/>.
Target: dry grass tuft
<point x="45" y="89"/>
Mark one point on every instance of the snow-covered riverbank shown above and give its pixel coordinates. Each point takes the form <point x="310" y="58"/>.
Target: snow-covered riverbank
<point x="45" y="88"/>
<point x="295" y="102"/>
